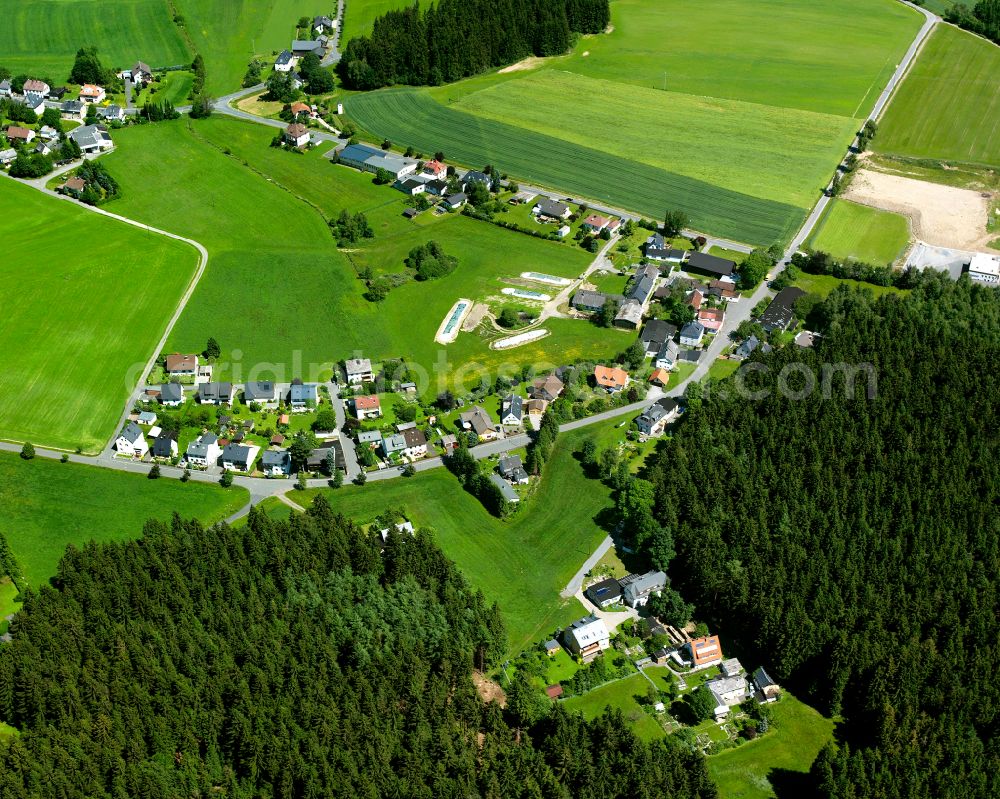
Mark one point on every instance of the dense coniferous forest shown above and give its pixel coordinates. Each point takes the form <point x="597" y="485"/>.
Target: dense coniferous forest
<point x="854" y="544"/>
<point x="289" y="659"/>
<point x="458" y="38"/>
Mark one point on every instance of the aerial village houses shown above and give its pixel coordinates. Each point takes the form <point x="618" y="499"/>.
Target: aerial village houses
<point x="297" y="134"/>
<point x="692" y="333"/>
<point x="131" y="441"/>
<point x="637" y="589"/>
<point x="303" y="396"/>
<point x="368" y="407"/>
<point x="587" y="638"/>
<point x="709" y="265"/>
<point x="416" y="443"/>
<point x="238" y="458"/>
<point x="657" y="416"/>
<point x="285" y="62"/>
<point x="550" y="209"/>
<point x="605" y="593"/>
<point x="780" y="314"/>
<point x="276" y="463"/>
<point x="369" y="159"/>
<point x="215" y="394"/>
<point x="165" y="445"/>
<point x="546" y="388"/>
<point x="203" y="451"/>
<point x="629" y="315"/>
<point x="512" y="470"/>
<point x="263" y="392"/>
<point x="655" y="334"/>
<point x="178" y="365"/>
<point x="358" y="371"/>
<point x="89" y="93"/>
<point x="512" y="411"/>
<point x="727" y="691"/>
<point x="477" y="420"/>
<point x="92" y="138"/>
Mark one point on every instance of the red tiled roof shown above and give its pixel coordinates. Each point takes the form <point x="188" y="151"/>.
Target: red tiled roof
<point x="610" y="376"/>
<point x="367" y="403"/>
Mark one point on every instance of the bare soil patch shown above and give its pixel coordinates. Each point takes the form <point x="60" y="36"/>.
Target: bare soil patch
<point x="489" y="691"/>
<point x="524" y="64"/>
<point x="942" y="215"/>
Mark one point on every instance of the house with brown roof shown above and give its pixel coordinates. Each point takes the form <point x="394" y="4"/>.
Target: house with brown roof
<point x="15" y="133"/>
<point x="301" y="108"/>
<point x="595" y="223"/>
<point x="368" y="407"/>
<point x="74" y="187"/>
<point x="179" y="365"/>
<point x="659" y="377"/>
<point x="479" y="421"/>
<point x="611" y="378"/>
<point x="546" y="388"/>
<point x="416" y="443"/>
<point x="297" y="134"/>
<point x="36" y="86"/>
<point x="89" y="93"/>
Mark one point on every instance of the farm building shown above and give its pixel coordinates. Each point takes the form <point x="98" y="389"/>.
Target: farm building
<point x="369" y="159"/>
<point x="629" y="314"/>
<point x="780" y="314"/>
<point x="709" y="264"/>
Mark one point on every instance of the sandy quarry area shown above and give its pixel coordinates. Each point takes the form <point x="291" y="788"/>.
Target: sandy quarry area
<point x="941" y="215"/>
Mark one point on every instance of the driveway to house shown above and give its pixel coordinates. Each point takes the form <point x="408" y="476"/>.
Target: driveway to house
<point x="333" y="54"/>
<point x="575" y="585"/>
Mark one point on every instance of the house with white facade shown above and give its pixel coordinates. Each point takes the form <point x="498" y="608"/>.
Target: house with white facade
<point x="358" y="371"/>
<point x="204" y="451"/>
<point x="131" y="441"/>
<point x="587" y="637"/>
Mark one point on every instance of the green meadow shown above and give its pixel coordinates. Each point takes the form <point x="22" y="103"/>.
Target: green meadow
<point x="49" y="505"/>
<point x="359" y="16"/>
<point x="949" y="103"/>
<point x="522" y="563"/>
<point x="93" y="296"/>
<point x="41" y="37"/>
<point x="278" y="292"/>
<point x="850" y="230"/>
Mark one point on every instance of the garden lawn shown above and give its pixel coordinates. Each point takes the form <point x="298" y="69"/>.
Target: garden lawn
<point x="949" y="104"/>
<point x="175" y="87"/>
<point x="48" y="505"/>
<point x="850" y="230"/>
<point x="89" y="298"/>
<point x="359" y="16"/>
<point x="722" y="368"/>
<point x="41" y="37"/>
<point x="278" y="295"/>
<point x="746" y="772"/>
<point x="522" y="563"/>
<point x="626" y="695"/>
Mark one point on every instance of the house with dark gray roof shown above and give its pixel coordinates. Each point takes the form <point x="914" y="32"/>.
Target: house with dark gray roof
<point x="641" y="290"/>
<point x="512" y="410"/>
<point x="171" y="394"/>
<point x="473" y="176"/>
<point x="284" y="62"/>
<point x="131" y="441"/>
<point x="553" y="209"/>
<point x="780" y="314"/>
<point x="301" y="47"/>
<point x="204" y="451"/>
<point x="692" y="333"/>
<point x="585" y="300"/>
<point x="238" y="458"/>
<point x="655" y="334"/>
<point x="316" y="462"/>
<point x="657" y="416"/>
<point x="260" y="391"/>
<point x="506" y="490"/>
<point x="709" y="264"/>
<point x="215" y="394"/>
<point x="606" y="592"/>
<point x="92" y="138"/>
<point x="668" y="356"/>
<point x="165" y="445"/>
<point x="276" y="463"/>
<point x="512" y="469"/>
<point x="638" y="592"/>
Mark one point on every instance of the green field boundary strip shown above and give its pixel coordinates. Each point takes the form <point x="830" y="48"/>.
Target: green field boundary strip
<point x="412" y="117"/>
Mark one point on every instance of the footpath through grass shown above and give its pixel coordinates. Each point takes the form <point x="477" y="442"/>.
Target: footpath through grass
<point x="48" y="505"/>
<point x="850" y="230"/>
<point x="522" y="563"/>
<point x="948" y="106"/>
<point x="87" y="299"/>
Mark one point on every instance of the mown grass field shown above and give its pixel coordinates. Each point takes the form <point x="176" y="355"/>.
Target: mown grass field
<point x="522" y="563"/>
<point x="360" y="15"/>
<point x="823" y="285"/>
<point x="755" y="769"/>
<point x="87" y="299"/>
<point x="49" y="505"/>
<point x="174" y="88"/>
<point x="948" y="106"/>
<point x="412" y="117"/>
<point x="278" y="295"/>
<point x="771" y="152"/>
<point x="850" y="230"/>
<point x="627" y="695"/>
<point x="41" y="37"/>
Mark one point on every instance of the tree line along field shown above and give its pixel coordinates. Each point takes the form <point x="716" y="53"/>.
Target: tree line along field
<point x="41" y="37"/>
<point x="88" y="298"/>
<point x="279" y="292"/>
<point x="948" y="106"/>
<point x="850" y="230"/>
<point x="38" y="496"/>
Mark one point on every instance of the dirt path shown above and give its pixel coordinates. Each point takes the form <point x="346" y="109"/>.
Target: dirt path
<point x="942" y="215"/>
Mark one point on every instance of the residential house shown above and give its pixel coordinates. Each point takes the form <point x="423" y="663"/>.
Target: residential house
<point x="692" y="333"/>
<point x="303" y="396"/>
<point x="317" y="460"/>
<point x="742" y="352"/>
<point x="369" y="159"/>
<point x="611" y="378"/>
<point x="238" y="458"/>
<point x="5" y="88"/>
<point x="477" y="420"/>
<point x="512" y="469"/>
<point x="659" y="377"/>
<point x="263" y="392"/>
<point x="439" y="188"/>
<point x="89" y="93"/>
<point x="638" y="591"/>
<point x="17" y="134"/>
<point x="506" y="491"/>
<point x="34" y="101"/>
<point x="587" y="637"/>
<point x="724" y="290"/>
<point x="112" y="113"/>
<point x="74" y="187"/>
<point x="436" y="169"/>
<point x="7" y="157"/>
<point x="358" y="371"/>
<point x="712" y="318"/>
<point x="57" y="93"/>
<point x="657" y="416"/>
<point x="546" y="388"/>
<point x="656" y="249"/>
<point x="472" y="176"/>
<point x="655" y="334"/>
<point x="585" y="300"/>
<point x="411" y="186"/>
<point x="695" y="298"/>
<point x="179" y="365"/>
<point x="92" y="138"/>
<point x="606" y="592"/>
<point x="73" y="110"/>
<point x="552" y="647"/>
<point x="550" y="209"/>
<point x="629" y="315"/>
<point x="448" y="442"/>
<point x="595" y="223"/>
<point x="780" y="314"/>
<point x="804" y="339"/>
<point x="301" y="47"/>
<point x="140" y="73"/>
<point x="668" y="356"/>
<point x="641" y="289"/>
<point x="395" y="443"/>
<point x="416" y="443"/>
<point x="277" y="440"/>
<point x="171" y="395"/>
<point x="36" y="86"/>
<point x="276" y="463"/>
<point x="215" y="394"/>
<point x="709" y="264"/>
<point x="984" y="269"/>
<point x="731" y="667"/>
<point x="42" y="148"/>
<point x="323" y="24"/>
<point x="512" y="410"/>
<point x="768" y="688"/>
<point x="147" y="418"/>
<point x="165" y="445"/>
<point x="204" y="451"/>
<point x="705" y="651"/>
<point x="456" y="200"/>
<point x="47" y="133"/>
<point x="371" y="438"/>
<point x="131" y="441"/>
<point x="728" y="691"/>
<point x="297" y="134"/>
<point x="367" y="407"/>
<point x="285" y="62"/>
<point x="299" y="108"/>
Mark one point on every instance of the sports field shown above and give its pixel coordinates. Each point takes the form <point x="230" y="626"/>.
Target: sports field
<point x="736" y="112"/>
<point x="948" y="106"/>
<point x="850" y="230"/>
<point x="279" y="292"/>
<point x="86" y="300"/>
<point x="48" y="505"/>
<point x="41" y="37"/>
<point x="523" y="563"/>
